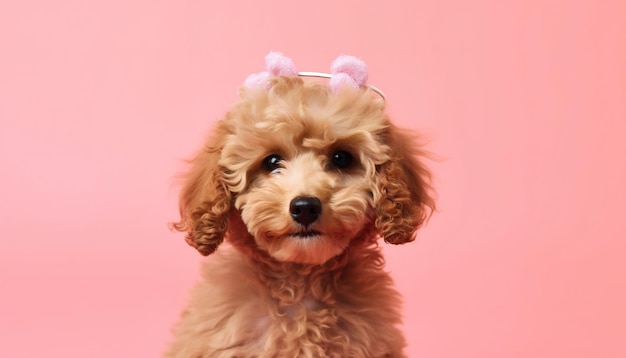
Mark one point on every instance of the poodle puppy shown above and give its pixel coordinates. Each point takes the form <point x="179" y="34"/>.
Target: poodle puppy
<point x="290" y="196"/>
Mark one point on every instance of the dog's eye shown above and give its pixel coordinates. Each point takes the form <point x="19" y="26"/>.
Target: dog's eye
<point x="341" y="159"/>
<point x="271" y="163"/>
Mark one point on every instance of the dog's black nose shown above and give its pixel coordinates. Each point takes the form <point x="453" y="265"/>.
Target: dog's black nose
<point x="305" y="209"/>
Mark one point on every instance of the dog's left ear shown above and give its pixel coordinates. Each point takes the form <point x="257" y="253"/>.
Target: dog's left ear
<point x="406" y="199"/>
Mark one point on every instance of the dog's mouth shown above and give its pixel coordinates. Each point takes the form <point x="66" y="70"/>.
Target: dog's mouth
<point x="305" y="234"/>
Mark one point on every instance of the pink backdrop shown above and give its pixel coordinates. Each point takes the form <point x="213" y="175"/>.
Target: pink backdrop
<point x="525" y="101"/>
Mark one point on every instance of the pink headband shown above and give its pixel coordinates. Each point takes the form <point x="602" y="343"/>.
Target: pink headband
<point x="345" y="71"/>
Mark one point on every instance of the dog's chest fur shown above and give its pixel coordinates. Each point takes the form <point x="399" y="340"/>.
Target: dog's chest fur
<point x="245" y="308"/>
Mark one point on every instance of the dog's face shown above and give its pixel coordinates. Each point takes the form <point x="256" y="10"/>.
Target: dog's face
<point x="302" y="166"/>
<point x="307" y="171"/>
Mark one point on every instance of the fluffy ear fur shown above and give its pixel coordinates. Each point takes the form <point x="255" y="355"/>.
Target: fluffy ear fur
<point x="205" y="201"/>
<point x="406" y="194"/>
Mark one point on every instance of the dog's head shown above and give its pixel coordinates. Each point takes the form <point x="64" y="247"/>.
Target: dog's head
<point x="306" y="170"/>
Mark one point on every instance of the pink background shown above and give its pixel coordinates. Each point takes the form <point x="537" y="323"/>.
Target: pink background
<point x="525" y="101"/>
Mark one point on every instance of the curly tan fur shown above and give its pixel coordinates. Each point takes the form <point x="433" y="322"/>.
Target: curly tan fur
<point x="404" y="182"/>
<point x="269" y="290"/>
<point x="205" y="201"/>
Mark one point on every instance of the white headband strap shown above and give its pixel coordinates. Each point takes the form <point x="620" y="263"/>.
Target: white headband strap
<point x="328" y="75"/>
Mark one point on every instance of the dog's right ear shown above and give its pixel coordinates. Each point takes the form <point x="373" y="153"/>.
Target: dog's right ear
<point x="205" y="201"/>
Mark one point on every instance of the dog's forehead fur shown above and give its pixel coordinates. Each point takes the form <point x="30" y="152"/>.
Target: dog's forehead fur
<point x="305" y="114"/>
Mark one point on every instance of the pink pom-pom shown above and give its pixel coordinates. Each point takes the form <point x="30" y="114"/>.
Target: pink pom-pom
<point x="352" y="66"/>
<point x="340" y="80"/>
<point x="278" y="64"/>
<point x="257" y="80"/>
